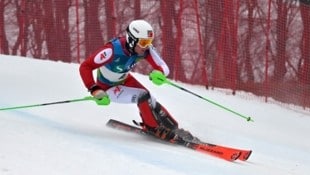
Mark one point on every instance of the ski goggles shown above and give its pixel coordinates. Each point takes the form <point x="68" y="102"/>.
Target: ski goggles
<point x="145" y="42"/>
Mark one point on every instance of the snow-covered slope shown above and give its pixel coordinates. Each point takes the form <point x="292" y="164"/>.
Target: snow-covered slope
<point x="72" y="138"/>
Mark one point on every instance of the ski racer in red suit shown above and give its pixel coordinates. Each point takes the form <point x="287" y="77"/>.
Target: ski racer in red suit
<point x="114" y="82"/>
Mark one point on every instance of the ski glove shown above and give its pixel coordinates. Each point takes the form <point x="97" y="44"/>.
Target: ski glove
<point x="101" y="97"/>
<point x="157" y="77"/>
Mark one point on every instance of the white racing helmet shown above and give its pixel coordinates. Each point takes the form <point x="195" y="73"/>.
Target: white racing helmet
<point x="139" y="32"/>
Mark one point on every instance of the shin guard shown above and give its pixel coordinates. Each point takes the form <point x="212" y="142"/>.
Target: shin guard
<point x="154" y="117"/>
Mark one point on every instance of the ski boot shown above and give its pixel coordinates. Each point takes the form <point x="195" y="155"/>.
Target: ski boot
<point x="156" y="120"/>
<point x="182" y="137"/>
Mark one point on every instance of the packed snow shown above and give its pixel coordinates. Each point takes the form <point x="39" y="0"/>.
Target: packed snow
<point x="72" y="138"/>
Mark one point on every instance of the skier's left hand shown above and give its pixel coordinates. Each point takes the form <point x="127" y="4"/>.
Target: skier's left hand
<point x="157" y="77"/>
<point x="100" y="96"/>
<point x="103" y="101"/>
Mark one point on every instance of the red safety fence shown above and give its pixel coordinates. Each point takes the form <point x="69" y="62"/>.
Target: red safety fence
<point x="257" y="46"/>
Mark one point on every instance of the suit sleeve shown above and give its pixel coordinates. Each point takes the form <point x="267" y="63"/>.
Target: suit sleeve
<point x="93" y="62"/>
<point x="156" y="61"/>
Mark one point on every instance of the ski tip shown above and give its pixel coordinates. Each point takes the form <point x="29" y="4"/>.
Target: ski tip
<point x="110" y="122"/>
<point x="245" y="155"/>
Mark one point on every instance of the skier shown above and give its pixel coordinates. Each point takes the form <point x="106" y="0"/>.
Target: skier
<point x="114" y="82"/>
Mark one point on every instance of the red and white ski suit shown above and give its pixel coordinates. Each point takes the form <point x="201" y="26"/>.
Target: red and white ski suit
<point x="113" y="63"/>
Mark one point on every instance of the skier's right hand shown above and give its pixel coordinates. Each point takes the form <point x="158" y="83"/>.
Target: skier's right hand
<point x="157" y="77"/>
<point x="101" y="97"/>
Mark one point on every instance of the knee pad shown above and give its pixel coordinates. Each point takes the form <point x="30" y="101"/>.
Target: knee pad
<point x="154" y="116"/>
<point x="144" y="97"/>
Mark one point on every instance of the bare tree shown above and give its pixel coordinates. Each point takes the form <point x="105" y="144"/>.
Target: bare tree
<point x="110" y="19"/>
<point x="62" y="30"/>
<point x="167" y="9"/>
<point x="93" y="33"/>
<point x="304" y="71"/>
<point x="281" y="38"/>
<point x="4" y="46"/>
<point x="21" y="14"/>
<point x="36" y="38"/>
<point x="251" y="5"/>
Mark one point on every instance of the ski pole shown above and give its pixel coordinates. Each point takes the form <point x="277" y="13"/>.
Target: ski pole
<point x="210" y="101"/>
<point x="51" y="103"/>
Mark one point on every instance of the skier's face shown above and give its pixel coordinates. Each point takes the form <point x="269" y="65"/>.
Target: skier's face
<point x="139" y="50"/>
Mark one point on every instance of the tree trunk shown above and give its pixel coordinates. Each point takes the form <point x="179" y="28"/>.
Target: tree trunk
<point x="62" y="30"/>
<point x="248" y="60"/>
<point x="281" y="33"/>
<point x="93" y="34"/>
<point x="305" y="49"/>
<point x="168" y="38"/>
<point x="4" y="46"/>
<point x="111" y="19"/>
